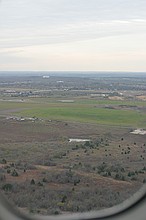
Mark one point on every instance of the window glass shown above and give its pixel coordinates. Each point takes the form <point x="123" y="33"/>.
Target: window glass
<point x="72" y="103"/>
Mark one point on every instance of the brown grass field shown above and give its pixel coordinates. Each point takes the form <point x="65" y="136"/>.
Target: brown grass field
<point x="109" y="168"/>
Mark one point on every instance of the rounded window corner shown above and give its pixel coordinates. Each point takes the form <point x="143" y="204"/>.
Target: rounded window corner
<point x="135" y="203"/>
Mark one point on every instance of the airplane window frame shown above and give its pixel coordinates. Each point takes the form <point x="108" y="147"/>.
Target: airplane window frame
<point x="132" y="208"/>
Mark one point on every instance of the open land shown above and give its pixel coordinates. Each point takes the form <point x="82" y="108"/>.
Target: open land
<point x="42" y="171"/>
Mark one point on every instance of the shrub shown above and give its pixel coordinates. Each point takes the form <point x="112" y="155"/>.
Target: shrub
<point x="101" y="168"/>
<point x="119" y="177"/>
<point x="40" y="184"/>
<point x="44" y="180"/>
<point x="3" y="161"/>
<point x="64" y="199"/>
<point x="8" y="171"/>
<point x="7" y="187"/>
<point x="2" y="177"/>
<point x="76" y="181"/>
<point x="87" y="143"/>
<point x="32" y="182"/>
<point x="56" y="212"/>
<point x="14" y="173"/>
<point x="131" y="173"/>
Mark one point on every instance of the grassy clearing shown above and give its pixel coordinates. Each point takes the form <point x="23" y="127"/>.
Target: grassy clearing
<point x="8" y="105"/>
<point x="82" y="110"/>
<point x="89" y="114"/>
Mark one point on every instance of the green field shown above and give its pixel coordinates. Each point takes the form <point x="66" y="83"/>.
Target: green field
<point x="92" y="115"/>
<point x="86" y="110"/>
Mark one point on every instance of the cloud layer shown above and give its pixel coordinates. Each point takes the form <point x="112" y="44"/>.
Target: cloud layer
<point x="26" y="24"/>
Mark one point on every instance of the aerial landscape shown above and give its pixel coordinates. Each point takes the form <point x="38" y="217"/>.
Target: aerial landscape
<point x="71" y="143"/>
<point x="72" y="105"/>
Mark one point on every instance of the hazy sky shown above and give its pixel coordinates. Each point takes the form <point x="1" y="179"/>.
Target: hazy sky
<point x="98" y="35"/>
